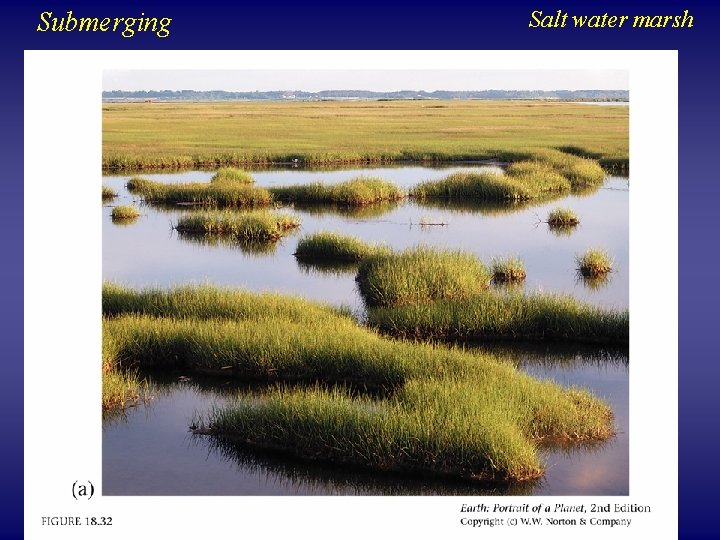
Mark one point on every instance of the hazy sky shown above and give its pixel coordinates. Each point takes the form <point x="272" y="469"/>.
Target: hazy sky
<point x="377" y="80"/>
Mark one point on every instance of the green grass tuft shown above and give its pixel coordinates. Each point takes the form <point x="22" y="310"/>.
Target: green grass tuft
<point x="206" y="302"/>
<point x="232" y="175"/>
<point x="124" y="213"/>
<point x="108" y="193"/>
<point x="420" y="274"/>
<point x="215" y="194"/>
<point x="594" y="263"/>
<point x="259" y="225"/>
<point x="506" y="315"/>
<point x="480" y="186"/>
<point x="562" y="217"/>
<point x="332" y="247"/>
<point x="580" y="171"/>
<point x="359" y="191"/>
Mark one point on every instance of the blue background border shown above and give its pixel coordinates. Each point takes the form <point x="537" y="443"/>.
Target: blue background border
<point x="409" y="25"/>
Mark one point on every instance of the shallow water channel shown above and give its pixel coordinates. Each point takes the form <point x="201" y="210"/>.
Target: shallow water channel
<point x="148" y="449"/>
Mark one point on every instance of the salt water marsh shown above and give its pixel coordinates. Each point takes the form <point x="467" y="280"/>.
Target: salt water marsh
<point x="212" y="362"/>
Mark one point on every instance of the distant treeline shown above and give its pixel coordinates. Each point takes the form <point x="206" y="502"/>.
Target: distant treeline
<point x="298" y="95"/>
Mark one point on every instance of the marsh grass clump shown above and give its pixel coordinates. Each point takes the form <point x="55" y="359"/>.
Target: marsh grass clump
<point x="510" y="270"/>
<point x="420" y="274"/>
<point x="232" y="175"/>
<point x="435" y="410"/>
<point x="543" y="173"/>
<point x="580" y="171"/>
<point x="332" y="247"/>
<point x="137" y="184"/>
<point x="253" y="248"/>
<point x="472" y="429"/>
<point x="540" y="178"/>
<point x="522" y="181"/>
<point x="360" y="191"/>
<point x="206" y="302"/>
<point x="594" y="263"/>
<point x="504" y="315"/>
<point x="476" y="186"/>
<point x="124" y="213"/>
<point x="224" y="193"/>
<point x="252" y="226"/>
<point x="562" y="218"/>
<point x="108" y="193"/>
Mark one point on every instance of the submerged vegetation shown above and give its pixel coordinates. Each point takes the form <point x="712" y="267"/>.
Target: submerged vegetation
<point x="439" y="411"/>
<point x="420" y="274"/>
<point x="332" y="247"/>
<point x="359" y="191"/>
<point x="594" y="263"/>
<point x="140" y="136"/>
<point x="259" y="225"/>
<point x="121" y="213"/>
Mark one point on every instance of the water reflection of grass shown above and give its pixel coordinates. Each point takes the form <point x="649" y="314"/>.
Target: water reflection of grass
<point x="250" y="247"/>
<point x="595" y="283"/>
<point x="295" y="474"/>
<point x="357" y="212"/>
<point x="328" y="268"/>
<point x="562" y="230"/>
<point x="555" y="355"/>
<point x="442" y="412"/>
<point x="483" y="208"/>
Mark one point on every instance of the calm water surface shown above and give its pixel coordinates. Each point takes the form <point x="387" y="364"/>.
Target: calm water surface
<point x="148" y="252"/>
<point x="148" y="450"/>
